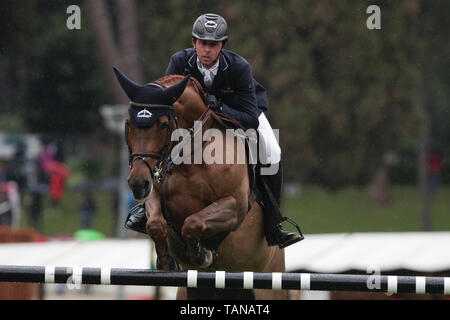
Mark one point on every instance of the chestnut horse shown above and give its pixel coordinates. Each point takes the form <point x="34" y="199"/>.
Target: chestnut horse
<point x="198" y="214"/>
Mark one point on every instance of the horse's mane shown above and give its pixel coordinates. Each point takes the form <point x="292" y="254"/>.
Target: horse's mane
<point x="170" y="79"/>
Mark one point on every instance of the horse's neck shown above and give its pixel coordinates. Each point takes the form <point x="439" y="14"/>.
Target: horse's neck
<point x="191" y="108"/>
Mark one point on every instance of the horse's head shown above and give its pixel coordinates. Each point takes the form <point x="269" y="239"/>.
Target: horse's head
<point x="152" y="117"/>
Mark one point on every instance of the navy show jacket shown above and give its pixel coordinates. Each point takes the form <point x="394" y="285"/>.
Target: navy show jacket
<point x="242" y="96"/>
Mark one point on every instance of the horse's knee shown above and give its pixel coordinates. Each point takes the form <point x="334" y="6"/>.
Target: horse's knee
<point x="157" y="228"/>
<point x="193" y="228"/>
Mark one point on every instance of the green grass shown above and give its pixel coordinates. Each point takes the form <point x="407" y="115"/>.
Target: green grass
<point x="350" y="210"/>
<point x="65" y="218"/>
<point x="315" y="210"/>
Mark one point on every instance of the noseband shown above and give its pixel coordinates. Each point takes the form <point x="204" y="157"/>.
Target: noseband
<point x="162" y="158"/>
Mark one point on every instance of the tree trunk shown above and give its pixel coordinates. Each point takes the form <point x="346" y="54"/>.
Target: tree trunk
<point x="379" y="187"/>
<point x="109" y="52"/>
<point x="425" y="104"/>
<point x="129" y="40"/>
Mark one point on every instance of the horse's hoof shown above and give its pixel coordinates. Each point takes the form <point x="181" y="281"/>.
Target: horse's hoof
<point x="171" y="264"/>
<point x="203" y="258"/>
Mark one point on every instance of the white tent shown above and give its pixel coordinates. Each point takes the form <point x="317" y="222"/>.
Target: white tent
<point x="417" y="252"/>
<point x="101" y="253"/>
<point x="422" y="252"/>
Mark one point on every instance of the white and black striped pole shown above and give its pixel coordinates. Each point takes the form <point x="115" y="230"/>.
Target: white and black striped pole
<point x="224" y="280"/>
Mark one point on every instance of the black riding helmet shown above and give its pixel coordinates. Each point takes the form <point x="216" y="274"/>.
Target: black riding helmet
<point x="210" y="26"/>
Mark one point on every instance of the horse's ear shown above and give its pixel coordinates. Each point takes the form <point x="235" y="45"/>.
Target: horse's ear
<point x="172" y="93"/>
<point x="130" y="87"/>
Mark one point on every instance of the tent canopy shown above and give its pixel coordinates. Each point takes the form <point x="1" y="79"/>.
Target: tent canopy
<point x="329" y="253"/>
<point x="423" y="252"/>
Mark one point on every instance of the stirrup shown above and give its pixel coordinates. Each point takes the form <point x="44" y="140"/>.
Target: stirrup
<point x="295" y="225"/>
<point x="281" y="237"/>
<point x="293" y="239"/>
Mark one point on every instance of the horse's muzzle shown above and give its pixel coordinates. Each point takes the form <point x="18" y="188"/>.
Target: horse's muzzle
<point x="140" y="187"/>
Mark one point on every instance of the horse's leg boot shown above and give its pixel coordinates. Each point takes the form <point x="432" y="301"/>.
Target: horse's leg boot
<point x="202" y="257"/>
<point x="275" y="233"/>
<point x="137" y="219"/>
<point x="166" y="262"/>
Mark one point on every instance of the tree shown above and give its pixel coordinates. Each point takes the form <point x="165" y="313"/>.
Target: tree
<point x="53" y="70"/>
<point x="341" y="94"/>
<point x="120" y="50"/>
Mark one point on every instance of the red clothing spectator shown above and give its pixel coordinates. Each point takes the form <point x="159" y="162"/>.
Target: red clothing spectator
<point x="435" y="163"/>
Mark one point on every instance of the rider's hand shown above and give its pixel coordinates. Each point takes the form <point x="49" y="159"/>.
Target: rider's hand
<point x="214" y="103"/>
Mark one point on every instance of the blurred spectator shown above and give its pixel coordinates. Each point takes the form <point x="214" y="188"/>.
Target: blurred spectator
<point x="10" y="207"/>
<point x="57" y="171"/>
<point x="130" y="200"/>
<point x="87" y="210"/>
<point x="35" y="205"/>
<point x="5" y="207"/>
<point x="3" y="176"/>
<point x="35" y="209"/>
<point x="16" y="167"/>
<point x="435" y="163"/>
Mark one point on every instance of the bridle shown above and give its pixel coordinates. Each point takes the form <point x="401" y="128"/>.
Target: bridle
<point x="164" y="163"/>
<point x="162" y="157"/>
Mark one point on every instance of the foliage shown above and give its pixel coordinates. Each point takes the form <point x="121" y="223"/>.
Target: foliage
<point x="341" y="95"/>
<point x="59" y="82"/>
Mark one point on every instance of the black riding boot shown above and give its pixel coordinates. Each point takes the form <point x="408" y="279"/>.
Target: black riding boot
<point x="275" y="233"/>
<point x="137" y="219"/>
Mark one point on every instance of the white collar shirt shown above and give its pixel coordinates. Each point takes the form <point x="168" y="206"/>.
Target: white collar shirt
<point x="208" y="74"/>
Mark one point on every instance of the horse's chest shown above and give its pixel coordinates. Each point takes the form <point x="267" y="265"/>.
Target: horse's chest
<point x="186" y="195"/>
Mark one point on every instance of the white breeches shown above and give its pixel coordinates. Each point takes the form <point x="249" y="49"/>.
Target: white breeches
<point x="268" y="140"/>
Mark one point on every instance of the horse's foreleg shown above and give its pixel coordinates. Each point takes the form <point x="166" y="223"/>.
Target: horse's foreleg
<point x="157" y="229"/>
<point x="223" y="215"/>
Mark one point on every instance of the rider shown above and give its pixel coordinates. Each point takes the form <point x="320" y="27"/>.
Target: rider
<point x="232" y="90"/>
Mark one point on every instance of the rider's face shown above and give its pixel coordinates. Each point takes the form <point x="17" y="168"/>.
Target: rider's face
<point x="207" y="51"/>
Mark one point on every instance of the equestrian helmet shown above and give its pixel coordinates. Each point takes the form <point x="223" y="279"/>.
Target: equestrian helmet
<point x="210" y="26"/>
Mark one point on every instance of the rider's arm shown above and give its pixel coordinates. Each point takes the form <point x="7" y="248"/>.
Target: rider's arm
<point x="242" y="105"/>
<point x="177" y="63"/>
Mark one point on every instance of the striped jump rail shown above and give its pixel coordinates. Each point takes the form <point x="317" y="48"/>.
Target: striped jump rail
<point x="222" y="279"/>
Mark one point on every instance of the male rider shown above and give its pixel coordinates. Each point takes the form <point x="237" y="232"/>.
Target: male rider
<point x="232" y="90"/>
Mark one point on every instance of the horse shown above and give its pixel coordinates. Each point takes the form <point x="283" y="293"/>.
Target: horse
<point x="198" y="215"/>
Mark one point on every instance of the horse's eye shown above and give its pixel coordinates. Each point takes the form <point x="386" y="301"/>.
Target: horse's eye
<point x="164" y="125"/>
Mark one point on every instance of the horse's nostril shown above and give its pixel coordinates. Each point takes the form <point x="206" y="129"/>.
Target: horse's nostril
<point x="140" y="188"/>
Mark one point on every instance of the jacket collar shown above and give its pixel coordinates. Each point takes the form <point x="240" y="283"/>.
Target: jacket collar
<point x="192" y="60"/>
<point x="218" y="79"/>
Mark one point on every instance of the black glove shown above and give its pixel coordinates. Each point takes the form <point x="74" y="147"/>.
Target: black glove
<point x="214" y="103"/>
